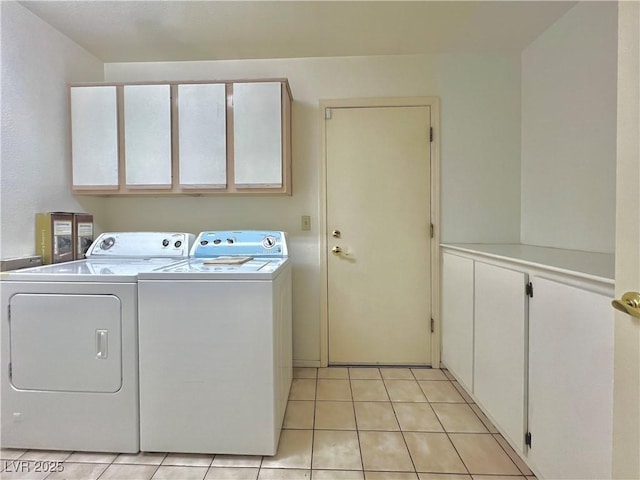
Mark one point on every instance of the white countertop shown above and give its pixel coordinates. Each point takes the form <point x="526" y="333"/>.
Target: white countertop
<point x="594" y="266"/>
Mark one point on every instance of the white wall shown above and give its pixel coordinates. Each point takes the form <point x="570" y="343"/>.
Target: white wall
<point x="37" y="60"/>
<point x="480" y="97"/>
<point x="569" y="131"/>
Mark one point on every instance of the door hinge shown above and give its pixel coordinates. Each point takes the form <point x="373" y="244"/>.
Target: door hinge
<point x="327" y="114"/>
<point x="10" y="370"/>
<point x="9" y="313"/>
<point x="527" y="439"/>
<point x="431" y="134"/>
<point x="433" y="325"/>
<point x="431" y="229"/>
<point x="529" y="289"/>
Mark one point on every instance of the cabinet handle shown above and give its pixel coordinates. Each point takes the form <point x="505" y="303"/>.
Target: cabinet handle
<point x="629" y="304"/>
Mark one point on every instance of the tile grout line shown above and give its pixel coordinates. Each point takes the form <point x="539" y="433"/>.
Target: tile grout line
<point x="449" y="437"/>
<point x="313" y="427"/>
<point x="488" y="428"/>
<point x="415" y="469"/>
<point x="507" y="453"/>
<point x="355" y="419"/>
<point x="445" y="430"/>
<point x="404" y="440"/>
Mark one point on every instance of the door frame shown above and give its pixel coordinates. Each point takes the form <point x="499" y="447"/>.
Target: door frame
<point x="434" y="104"/>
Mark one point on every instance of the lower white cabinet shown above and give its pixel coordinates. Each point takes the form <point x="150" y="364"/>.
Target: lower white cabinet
<point x="499" y="373"/>
<point x="533" y="345"/>
<point x="570" y="381"/>
<point x="457" y="315"/>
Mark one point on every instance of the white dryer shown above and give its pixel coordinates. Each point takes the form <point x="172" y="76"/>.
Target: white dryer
<point x="70" y="345"/>
<point x="215" y="346"/>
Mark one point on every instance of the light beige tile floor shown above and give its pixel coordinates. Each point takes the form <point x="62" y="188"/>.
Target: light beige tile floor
<point x="341" y="424"/>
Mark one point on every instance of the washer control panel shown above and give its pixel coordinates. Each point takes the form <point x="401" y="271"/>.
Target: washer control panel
<point x="141" y="244"/>
<point x="255" y="243"/>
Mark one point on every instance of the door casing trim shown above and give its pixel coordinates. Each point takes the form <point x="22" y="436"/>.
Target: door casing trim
<point x="434" y="104"/>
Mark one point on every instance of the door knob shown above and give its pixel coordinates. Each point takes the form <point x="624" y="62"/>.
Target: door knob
<point x="337" y="250"/>
<point x="629" y="304"/>
<point x="336" y="234"/>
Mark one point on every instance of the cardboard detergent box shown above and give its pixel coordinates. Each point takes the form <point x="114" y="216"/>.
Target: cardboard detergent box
<point x="82" y="234"/>
<point x="54" y="237"/>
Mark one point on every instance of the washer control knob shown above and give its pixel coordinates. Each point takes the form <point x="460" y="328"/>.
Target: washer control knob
<point x="204" y="242"/>
<point x="217" y="241"/>
<point x="230" y="241"/>
<point x="165" y="243"/>
<point x="177" y="244"/>
<point x="107" y="243"/>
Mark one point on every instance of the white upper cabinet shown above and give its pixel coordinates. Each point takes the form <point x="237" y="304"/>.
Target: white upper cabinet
<point x="257" y="134"/>
<point x="202" y="135"/>
<point x="189" y="137"/>
<point x="147" y="136"/>
<point x="94" y="140"/>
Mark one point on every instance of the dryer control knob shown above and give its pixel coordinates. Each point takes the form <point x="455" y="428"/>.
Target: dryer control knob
<point x="107" y="243"/>
<point x="165" y="243"/>
<point x="177" y="244"/>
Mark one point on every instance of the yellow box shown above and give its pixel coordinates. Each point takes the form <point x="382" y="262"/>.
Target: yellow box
<point x="54" y="237"/>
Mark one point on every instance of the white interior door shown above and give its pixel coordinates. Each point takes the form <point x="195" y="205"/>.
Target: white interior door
<point x="626" y="404"/>
<point x="379" y="265"/>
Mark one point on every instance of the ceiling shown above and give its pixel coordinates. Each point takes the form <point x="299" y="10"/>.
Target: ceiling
<point x="139" y="31"/>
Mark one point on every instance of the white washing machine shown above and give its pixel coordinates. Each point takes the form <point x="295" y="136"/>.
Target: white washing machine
<point x="215" y="347"/>
<point x="70" y="345"/>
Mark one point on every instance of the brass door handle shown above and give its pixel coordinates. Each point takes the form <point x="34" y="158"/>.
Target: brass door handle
<point x="629" y="304"/>
<point x="337" y="250"/>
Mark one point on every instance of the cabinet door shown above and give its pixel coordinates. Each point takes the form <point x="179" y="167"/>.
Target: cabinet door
<point x="202" y="135"/>
<point x="94" y="137"/>
<point x="147" y="130"/>
<point x="66" y="342"/>
<point x="257" y="134"/>
<point x="499" y="357"/>
<point x="457" y="317"/>
<point x="570" y="381"/>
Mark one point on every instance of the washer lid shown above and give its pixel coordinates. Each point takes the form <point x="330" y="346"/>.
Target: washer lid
<point x="200" y="269"/>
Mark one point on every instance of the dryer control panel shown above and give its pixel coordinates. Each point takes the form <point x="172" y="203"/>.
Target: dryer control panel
<point x="141" y="244"/>
<point x="255" y="243"/>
